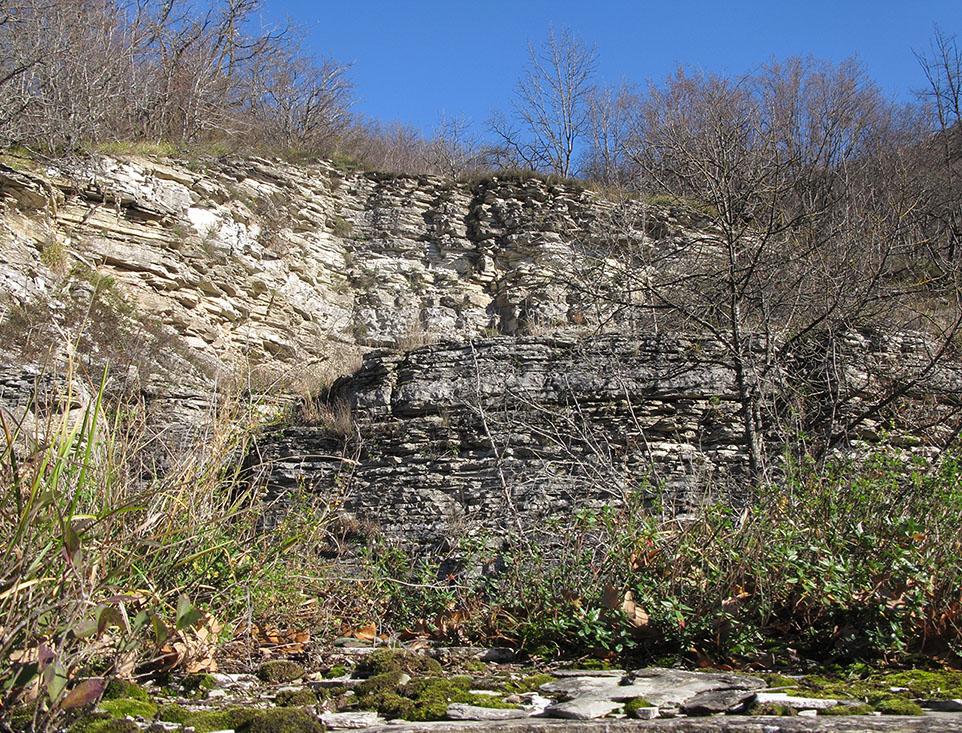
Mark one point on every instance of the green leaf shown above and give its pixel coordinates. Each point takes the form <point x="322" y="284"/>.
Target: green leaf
<point x="187" y="615"/>
<point x="54" y="679"/>
<point x="161" y="632"/>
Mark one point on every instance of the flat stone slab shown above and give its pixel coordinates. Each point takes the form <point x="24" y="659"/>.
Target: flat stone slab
<point x="582" y="708"/>
<point x="717" y="701"/>
<point x="799" y="703"/>
<point x="560" y="673"/>
<point x="350" y="721"/>
<point x="673" y="687"/>
<point x="694" y="692"/>
<point x="574" y="687"/>
<point x="461" y="711"/>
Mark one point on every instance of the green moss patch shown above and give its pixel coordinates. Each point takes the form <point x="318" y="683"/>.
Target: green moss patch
<point x="282" y="720"/>
<point x="633" y="705"/>
<point x="196" y="686"/>
<point x="775" y="680"/>
<point x="280" y="670"/>
<point x="117" y="689"/>
<point x="897" y="706"/>
<point x="296" y="698"/>
<point x="123" y="707"/>
<point x="379" y="683"/>
<point x="338" y="671"/>
<point x="390" y="660"/>
<point x="112" y="725"/>
<point x="206" y="721"/>
<point x="857" y="709"/>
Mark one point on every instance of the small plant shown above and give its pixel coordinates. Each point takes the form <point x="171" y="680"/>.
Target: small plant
<point x="340" y="226"/>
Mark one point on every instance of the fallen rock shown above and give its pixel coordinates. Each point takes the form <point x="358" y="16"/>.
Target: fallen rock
<point x="561" y="673"/>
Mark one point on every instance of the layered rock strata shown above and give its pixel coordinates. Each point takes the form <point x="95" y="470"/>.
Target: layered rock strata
<point x="500" y="433"/>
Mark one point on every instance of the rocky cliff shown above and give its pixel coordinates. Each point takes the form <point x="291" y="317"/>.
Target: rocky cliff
<point x="500" y="383"/>
<point x="495" y="434"/>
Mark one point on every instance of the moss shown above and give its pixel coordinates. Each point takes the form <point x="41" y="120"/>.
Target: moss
<point x="897" y="706"/>
<point x="593" y="664"/>
<point x="205" y="721"/>
<point x="388" y="660"/>
<point x="281" y="720"/>
<point x="117" y="689"/>
<point x="944" y="684"/>
<point x="771" y="708"/>
<point x="857" y="709"/>
<point x="173" y="713"/>
<point x="196" y="686"/>
<point x="773" y="680"/>
<point x="379" y="683"/>
<point x="114" y="725"/>
<point x="296" y="698"/>
<point x="476" y="666"/>
<point x="280" y="670"/>
<point x="632" y="706"/>
<point x="485" y="701"/>
<point x="82" y="725"/>
<point x="389" y="704"/>
<point x="429" y="710"/>
<point x="338" y="671"/>
<point x="126" y="706"/>
<point x="530" y="683"/>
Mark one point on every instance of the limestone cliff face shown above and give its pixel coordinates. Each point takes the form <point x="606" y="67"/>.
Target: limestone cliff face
<point x="499" y="433"/>
<point x="256" y="262"/>
<point x="526" y="396"/>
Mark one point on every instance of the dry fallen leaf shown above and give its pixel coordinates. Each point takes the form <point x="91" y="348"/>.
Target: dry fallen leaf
<point x="367" y="633"/>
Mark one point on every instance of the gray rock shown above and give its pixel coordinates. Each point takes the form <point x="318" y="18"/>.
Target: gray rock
<point x="799" y="703"/>
<point x="562" y="673"/>
<point x="673" y="688"/>
<point x="460" y="711"/>
<point x="574" y="687"/>
<point x="942" y="706"/>
<point x="582" y="708"/>
<point x="716" y="701"/>
<point x="338" y="721"/>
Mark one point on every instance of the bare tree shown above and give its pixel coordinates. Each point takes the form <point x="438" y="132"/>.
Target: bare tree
<point x="549" y="110"/>
<point x="454" y="148"/>
<point x="75" y="72"/>
<point x="942" y="66"/>
<point x="611" y="117"/>
<point x="798" y="185"/>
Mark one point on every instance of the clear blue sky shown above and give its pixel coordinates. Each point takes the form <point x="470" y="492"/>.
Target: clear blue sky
<point x="414" y="59"/>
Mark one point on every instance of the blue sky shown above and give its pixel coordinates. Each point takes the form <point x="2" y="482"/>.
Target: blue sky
<point x="416" y="59"/>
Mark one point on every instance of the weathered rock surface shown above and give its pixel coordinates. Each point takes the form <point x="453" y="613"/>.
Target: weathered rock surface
<point x="263" y="262"/>
<point x="498" y="432"/>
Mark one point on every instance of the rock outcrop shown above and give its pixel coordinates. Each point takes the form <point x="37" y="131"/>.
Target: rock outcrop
<point x="526" y="396"/>
<point x="502" y="432"/>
